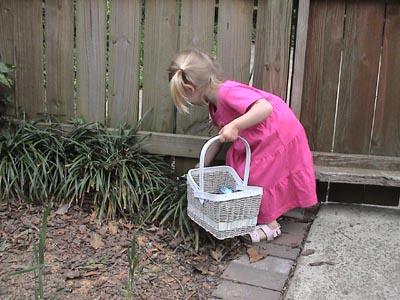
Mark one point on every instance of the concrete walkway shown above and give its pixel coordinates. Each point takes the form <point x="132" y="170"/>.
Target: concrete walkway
<point x="357" y="255"/>
<point x="348" y="252"/>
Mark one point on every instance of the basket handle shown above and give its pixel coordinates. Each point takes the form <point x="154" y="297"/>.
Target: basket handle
<point x="203" y="154"/>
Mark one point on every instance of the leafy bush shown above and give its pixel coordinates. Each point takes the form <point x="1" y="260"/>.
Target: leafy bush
<point x="5" y="86"/>
<point x="42" y="163"/>
<point x="172" y="209"/>
<point x="112" y="169"/>
<point x="32" y="162"/>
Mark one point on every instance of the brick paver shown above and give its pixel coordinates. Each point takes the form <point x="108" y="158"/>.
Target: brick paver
<point x="266" y="279"/>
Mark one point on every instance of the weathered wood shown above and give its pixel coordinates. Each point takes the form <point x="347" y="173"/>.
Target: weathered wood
<point x="197" y="25"/>
<point x="357" y="176"/>
<point x="358" y="161"/>
<point x="29" y="98"/>
<point x="196" y="30"/>
<point x="173" y="144"/>
<point x="91" y="59"/>
<point x="235" y="23"/>
<point x="7" y="39"/>
<point x="59" y="61"/>
<point x="124" y="49"/>
<point x="272" y="46"/>
<point x="386" y="132"/>
<point x="160" y="46"/>
<point x="300" y="56"/>
<point x="362" y="44"/>
<point x="330" y="167"/>
<point x="321" y="73"/>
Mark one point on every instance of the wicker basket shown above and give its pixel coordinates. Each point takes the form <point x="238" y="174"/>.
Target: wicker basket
<point x="223" y="215"/>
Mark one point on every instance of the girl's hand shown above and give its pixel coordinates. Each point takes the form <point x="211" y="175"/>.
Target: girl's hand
<point x="229" y="133"/>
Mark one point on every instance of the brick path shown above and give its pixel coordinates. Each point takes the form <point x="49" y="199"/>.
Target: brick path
<point x="266" y="279"/>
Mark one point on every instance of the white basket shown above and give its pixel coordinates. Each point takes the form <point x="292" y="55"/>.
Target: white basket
<point x="223" y="215"/>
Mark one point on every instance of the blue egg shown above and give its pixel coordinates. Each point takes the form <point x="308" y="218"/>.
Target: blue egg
<point x="224" y="189"/>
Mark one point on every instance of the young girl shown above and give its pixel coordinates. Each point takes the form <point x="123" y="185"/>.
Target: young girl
<point x="281" y="158"/>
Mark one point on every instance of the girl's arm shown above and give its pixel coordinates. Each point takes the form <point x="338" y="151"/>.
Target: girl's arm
<point x="258" y="112"/>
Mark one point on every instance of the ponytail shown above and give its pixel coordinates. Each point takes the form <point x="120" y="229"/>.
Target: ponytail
<point x="191" y="67"/>
<point x="178" y="90"/>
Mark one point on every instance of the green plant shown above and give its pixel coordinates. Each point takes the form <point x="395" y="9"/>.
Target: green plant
<point x="133" y="260"/>
<point x="111" y="168"/>
<point x="5" y="86"/>
<point x="5" y="69"/>
<point x="38" y="250"/>
<point x="171" y="210"/>
<point x="91" y="162"/>
<point x="32" y="165"/>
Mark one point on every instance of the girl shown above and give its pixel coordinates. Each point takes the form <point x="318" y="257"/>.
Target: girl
<point x="281" y="158"/>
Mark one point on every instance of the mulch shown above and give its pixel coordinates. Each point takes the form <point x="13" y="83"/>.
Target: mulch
<point x="85" y="259"/>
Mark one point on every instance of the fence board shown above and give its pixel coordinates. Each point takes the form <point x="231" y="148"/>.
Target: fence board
<point x="160" y="45"/>
<point x="273" y="46"/>
<point x="7" y="14"/>
<point x="123" y="92"/>
<point x="91" y="59"/>
<point x="59" y="61"/>
<point x="303" y="13"/>
<point x="385" y="139"/>
<point x="28" y="58"/>
<point x="321" y="74"/>
<point x="362" y="42"/>
<point x="235" y="24"/>
<point x="196" y="30"/>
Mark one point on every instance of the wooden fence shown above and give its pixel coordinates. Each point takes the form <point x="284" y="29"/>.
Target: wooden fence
<point x="334" y="61"/>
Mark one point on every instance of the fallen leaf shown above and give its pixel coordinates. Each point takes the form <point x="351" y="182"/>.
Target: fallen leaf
<point x="128" y="226"/>
<point x="254" y="255"/>
<point x="308" y="252"/>
<point x="213" y="268"/>
<point x="176" y="242"/>
<point x="320" y="263"/>
<point x="113" y="228"/>
<point x="141" y="240"/>
<point x="72" y="275"/>
<point x="91" y="273"/>
<point x="96" y="241"/>
<point x="168" y="279"/>
<point x="155" y="269"/>
<point x="216" y="254"/>
<point x="28" y="223"/>
<point x="158" y="246"/>
<point x="62" y="209"/>
<point x="202" y="268"/>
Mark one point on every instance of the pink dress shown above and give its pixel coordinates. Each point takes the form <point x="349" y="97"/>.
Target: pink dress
<point x="281" y="158"/>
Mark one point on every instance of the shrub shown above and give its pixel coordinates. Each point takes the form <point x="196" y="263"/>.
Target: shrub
<point x="112" y="169"/>
<point x="91" y="164"/>
<point x="32" y="162"/>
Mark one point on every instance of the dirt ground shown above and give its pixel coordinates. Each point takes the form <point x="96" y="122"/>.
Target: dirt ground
<point x="88" y="260"/>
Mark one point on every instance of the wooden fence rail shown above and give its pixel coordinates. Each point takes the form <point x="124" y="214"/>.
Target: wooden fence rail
<point x="335" y="63"/>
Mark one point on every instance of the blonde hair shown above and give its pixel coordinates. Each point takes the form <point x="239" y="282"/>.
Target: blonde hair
<point x="191" y="67"/>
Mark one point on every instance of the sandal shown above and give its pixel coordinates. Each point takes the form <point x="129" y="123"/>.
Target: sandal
<point x="270" y="234"/>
